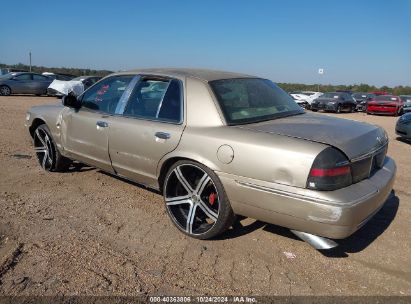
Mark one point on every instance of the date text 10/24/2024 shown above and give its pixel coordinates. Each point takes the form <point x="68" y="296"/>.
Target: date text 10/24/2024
<point x="202" y="299"/>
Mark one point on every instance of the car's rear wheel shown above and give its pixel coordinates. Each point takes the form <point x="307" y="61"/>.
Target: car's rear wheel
<point x="46" y="151"/>
<point x="196" y="201"/>
<point x="5" y="90"/>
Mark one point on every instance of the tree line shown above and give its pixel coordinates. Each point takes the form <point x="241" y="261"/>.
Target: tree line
<point x="67" y="71"/>
<point x="289" y="87"/>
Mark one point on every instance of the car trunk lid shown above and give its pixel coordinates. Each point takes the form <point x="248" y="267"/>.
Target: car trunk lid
<point x="351" y="137"/>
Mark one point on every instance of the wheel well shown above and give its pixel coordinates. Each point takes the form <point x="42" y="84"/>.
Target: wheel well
<point x="36" y="122"/>
<point x="164" y="169"/>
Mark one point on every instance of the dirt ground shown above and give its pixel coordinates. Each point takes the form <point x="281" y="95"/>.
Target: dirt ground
<point x="87" y="233"/>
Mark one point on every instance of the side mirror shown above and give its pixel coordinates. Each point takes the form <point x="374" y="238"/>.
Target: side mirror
<point x="71" y="101"/>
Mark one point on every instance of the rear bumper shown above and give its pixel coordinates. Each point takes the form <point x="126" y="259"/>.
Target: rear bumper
<point x="332" y="214"/>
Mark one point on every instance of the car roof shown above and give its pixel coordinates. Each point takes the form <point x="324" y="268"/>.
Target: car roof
<point x="201" y="74"/>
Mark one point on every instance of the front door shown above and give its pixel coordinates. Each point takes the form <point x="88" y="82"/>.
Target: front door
<point x="150" y="126"/>
<point x="85" y="131"/>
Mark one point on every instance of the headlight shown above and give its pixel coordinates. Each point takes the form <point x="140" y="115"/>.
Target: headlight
<point x="27" y="116"/>
<point x="331" y="102"/>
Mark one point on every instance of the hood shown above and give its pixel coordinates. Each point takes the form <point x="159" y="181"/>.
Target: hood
<point x="351" y="137"/>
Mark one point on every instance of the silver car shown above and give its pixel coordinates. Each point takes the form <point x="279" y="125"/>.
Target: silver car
<point x="218" y="144"/>
<point x="24" y="83"/>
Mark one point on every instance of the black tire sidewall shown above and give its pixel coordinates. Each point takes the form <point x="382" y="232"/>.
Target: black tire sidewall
<point x="225" y="217"/>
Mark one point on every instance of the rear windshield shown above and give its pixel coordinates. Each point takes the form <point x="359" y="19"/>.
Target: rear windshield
<point x="248" y="100"/>
<point x="386" y="98"/>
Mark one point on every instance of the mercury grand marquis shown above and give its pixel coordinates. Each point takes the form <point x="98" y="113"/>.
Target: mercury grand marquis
<point x="220" y="144"/>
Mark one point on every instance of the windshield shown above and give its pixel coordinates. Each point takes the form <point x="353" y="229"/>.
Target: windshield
<point x="331" y="95"/>
<point x="360" y="95"/>
<point x="248" y="100"/>
<point x="80" y="78"/>
<point x="9" y="75"/>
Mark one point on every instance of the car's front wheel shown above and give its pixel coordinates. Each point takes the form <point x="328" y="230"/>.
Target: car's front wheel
<point x="5" y="90"/>
<point x="46" y="151"/>
<point x="196" y="201"/>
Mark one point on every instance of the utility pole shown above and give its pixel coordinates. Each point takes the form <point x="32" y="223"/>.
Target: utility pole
<point x="30" y="60"/>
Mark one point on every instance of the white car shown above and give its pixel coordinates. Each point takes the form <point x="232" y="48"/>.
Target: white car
<point x="305" y="97"/>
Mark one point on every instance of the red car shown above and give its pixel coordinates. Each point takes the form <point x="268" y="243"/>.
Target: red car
<point x="385" y="104"/>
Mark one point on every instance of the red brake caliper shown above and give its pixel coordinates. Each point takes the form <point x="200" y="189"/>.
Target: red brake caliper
<point x="211" y="198"/>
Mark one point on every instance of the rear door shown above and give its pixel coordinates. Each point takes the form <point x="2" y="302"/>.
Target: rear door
<point x="150" y="126"/>
<point x="39" y="84"/>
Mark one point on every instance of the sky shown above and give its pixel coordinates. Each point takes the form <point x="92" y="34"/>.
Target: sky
<point x="358" y="41"/>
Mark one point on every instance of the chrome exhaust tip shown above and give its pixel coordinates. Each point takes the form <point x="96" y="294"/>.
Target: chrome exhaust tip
<point x="316" y="241"/>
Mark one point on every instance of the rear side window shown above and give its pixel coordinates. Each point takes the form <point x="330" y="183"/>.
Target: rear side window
<point x="105" y="96"/>
<point x="39" y="77"/>
<point x="156" y="99"/>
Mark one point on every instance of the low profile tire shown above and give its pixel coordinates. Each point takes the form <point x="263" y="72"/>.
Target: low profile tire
<point x="5" y="90"/>
<point x="46" y="151"/>
<point x="196" y="201"/>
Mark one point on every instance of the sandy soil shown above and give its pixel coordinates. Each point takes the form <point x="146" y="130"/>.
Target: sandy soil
<point x="85" y="232"/>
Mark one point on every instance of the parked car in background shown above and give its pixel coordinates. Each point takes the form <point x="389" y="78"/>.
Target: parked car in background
<point x="218" y="144"/>
<point x="334" y="102"/>
<point x="60" y="88"/>
<point x="5" y="71"/>
<point x="58" y="76"/>
<point x="385" y="104"/>
<point x="301" y="99"/>
<point x="403" y="126"/>
<point x="24" y="83"/>
<point x="406" y="99"/>
<point x="361" y="99"/>
<point x="87" y="81"/>
<point x="305" y="98"/>
<point x="378" y="93"/>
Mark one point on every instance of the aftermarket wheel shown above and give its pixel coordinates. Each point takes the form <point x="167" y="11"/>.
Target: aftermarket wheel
<point x="196" y="201"/>
<point x="5" y="90"/>
<point x="46" y="151"/>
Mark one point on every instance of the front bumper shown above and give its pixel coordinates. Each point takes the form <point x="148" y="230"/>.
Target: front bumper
<point x="382" y="110"/>
<point x="403" y="130"/>
<point x="332" y="214"/>
<point x="324" y="106"/>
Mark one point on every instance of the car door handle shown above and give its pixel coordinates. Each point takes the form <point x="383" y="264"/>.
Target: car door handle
<point x="102" y="124"/>
<point x="162" y="135"/>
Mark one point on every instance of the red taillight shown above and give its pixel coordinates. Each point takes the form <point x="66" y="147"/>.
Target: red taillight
<point x="330" y="172"/>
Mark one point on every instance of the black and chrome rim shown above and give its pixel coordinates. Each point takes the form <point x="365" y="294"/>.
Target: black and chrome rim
<point x="192" y="199"/>
<point x="43" y="149"/>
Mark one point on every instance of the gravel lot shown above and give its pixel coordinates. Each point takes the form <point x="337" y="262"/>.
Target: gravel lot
<point x="85" y="232"/>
